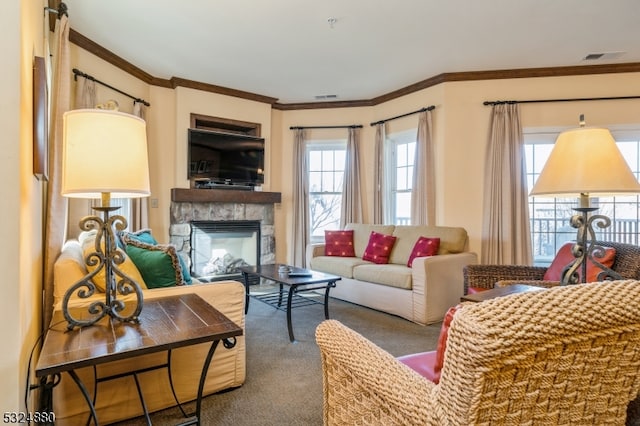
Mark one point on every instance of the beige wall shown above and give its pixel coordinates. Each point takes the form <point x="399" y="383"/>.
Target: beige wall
<point x="460" y="121"/>
<point x="21" y="231"/>
<point x="467" y="122"/>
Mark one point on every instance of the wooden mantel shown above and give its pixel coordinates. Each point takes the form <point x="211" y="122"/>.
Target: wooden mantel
<point x="206" y="195"/>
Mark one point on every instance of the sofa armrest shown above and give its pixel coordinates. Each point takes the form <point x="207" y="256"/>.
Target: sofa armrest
<point x="363" y="384"/>
<point x="438" y="284"/>
<point x="314" y="250"/>
<point x="485" y="276"/>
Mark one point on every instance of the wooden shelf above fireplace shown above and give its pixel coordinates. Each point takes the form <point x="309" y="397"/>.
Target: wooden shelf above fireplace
<point x="185" y="195"/>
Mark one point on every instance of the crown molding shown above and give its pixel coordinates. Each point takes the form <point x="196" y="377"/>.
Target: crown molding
<point x="110" y="57"/>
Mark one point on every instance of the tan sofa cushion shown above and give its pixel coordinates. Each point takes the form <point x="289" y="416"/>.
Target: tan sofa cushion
<point x="342" y="266"/>
<point x="68" y="269"/>
<point x="452" y="240"/>
<point x="392" y="275"/>
<point x="362" y="232"/>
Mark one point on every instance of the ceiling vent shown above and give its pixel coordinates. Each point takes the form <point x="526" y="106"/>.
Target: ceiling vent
<point x="602" y="56"/>
<point x="325" y="97"/>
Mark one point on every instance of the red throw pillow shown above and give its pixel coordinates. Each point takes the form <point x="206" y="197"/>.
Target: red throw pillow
<point x="379" y="247"/>
<point x="339" y="243"/>
<point x="442" y="339"/>
<point x="565" y="257"/>
<point x="424" y="247"/>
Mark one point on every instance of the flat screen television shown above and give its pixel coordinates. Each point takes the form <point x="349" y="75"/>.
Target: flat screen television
<point x="218" y="158"/>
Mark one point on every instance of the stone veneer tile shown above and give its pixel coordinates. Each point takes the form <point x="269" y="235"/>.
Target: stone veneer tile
<point x="181" y="214"/>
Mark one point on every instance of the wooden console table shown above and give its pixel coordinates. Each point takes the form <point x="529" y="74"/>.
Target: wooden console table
<point x="165" y="324"/>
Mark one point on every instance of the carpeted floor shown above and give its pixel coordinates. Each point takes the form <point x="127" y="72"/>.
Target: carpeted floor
<point x="284" y="383"/>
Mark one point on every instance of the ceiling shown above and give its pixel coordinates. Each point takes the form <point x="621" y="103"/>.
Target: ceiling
<point x="297" y="50"/>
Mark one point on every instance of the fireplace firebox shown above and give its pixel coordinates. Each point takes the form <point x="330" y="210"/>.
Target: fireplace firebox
<point x="219" y="248"/>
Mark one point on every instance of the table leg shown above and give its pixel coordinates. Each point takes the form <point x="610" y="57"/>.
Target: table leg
<point x="195" y="420"/>
<point x="280" y="295"/>
<point x="292" y="289"/>
<point x="246" y="290"/>
<point x="330" y="284"/>
<point x="84" y="392"/>
<point x="173" y="389"/>
<point x="141" y="397"/>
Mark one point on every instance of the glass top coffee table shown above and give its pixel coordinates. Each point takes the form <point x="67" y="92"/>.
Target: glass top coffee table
<point x="297" y="279"/>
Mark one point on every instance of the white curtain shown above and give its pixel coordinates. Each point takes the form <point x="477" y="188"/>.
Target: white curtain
<point x="351" y="207"/>
<point x="379" y="175"/>
<point x="300" y="237"/>
<point x="506" y="238"/>
<point x="85" y="93"/>
<point x="423" y="192"/>
<point x="139" y="217"/>
<point x="81" y="207"/>
<point x="56" y="205"/>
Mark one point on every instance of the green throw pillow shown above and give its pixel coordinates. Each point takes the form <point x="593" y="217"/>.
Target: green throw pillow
<point x="145" y="236"/>
<point x="158" y="264"/>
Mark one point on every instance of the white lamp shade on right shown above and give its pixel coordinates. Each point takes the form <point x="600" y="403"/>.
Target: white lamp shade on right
<point x="585" y="160"/>
<point x="104" y="151"/>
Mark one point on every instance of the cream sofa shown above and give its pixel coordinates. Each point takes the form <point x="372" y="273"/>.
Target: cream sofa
<point x="118" y="399"/>
<point x="421" y="293"/>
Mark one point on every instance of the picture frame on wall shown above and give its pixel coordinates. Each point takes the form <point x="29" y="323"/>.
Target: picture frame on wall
<point x="40" y="120"/>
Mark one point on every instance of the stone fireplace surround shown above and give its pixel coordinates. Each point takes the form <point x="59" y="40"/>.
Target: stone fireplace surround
<point x="222" y="205"/>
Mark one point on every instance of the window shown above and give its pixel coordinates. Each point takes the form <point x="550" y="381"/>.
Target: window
<point x="326" y="177"/>
<point x="399" y="159"/>
<point x="549" y="217"/>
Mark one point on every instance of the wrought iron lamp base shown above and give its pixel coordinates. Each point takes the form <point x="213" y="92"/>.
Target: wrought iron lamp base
<point x="106" y="258"/>
<point x="585" y="249"/>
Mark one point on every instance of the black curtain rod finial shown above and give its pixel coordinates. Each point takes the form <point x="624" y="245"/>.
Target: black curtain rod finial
<point x="63" y="9"/>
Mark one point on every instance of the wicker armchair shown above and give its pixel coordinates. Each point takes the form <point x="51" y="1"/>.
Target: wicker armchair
<point x="627" y="264"/>
<point x="568" y="355"/>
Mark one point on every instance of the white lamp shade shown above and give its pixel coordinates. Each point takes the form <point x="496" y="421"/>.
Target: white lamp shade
<point x="104" y="152"/>
<point x="585" y="161"/>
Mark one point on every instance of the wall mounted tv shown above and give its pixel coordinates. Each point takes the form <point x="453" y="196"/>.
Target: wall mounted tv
<point x="218" y="158"/>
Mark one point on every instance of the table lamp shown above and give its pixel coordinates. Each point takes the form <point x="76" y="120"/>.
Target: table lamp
<point x="585" y="162"/>
<point x="104" y="155"/>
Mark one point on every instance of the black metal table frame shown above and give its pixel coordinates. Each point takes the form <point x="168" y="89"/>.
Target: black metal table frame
<point x="191" y="419"/>
<point x="224" y="335"/>
<point x="294" y="289"/>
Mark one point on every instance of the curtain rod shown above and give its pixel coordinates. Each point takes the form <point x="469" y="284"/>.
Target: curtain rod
<point x="609" y="98"/>
<point x="77" y="73"/>
<point x="352" y="126"/>
<point x="429" y="108"/>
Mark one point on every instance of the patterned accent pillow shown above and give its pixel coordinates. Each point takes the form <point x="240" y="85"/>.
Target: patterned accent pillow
<point x="565" y="257"/>
<point x="424" y="247"/>
<point x="145" y="236"/>
<point x="379" y="248"/>
<point x="159" y="264"/>
<point x="339" y="243"/>
<point x="442" y="338"/>
<point x="142" y="235"/>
